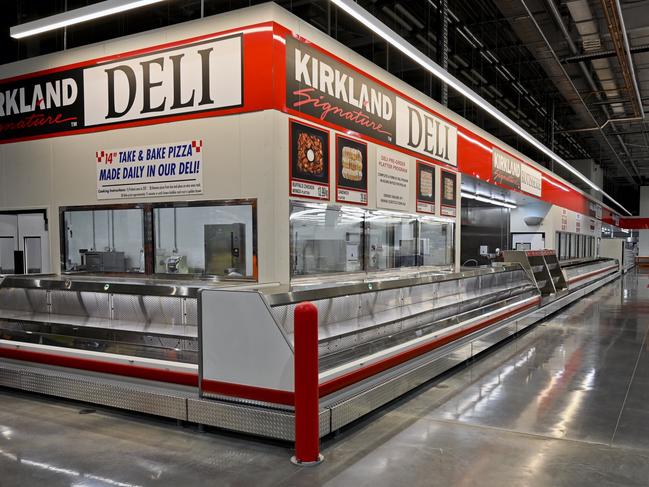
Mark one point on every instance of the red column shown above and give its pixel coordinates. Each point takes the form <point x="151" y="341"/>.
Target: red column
<point x="307" y="429"/>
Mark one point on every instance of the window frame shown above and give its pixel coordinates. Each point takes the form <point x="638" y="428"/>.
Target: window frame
<point x="252" y="202"/>
<point x="148" y="232"/>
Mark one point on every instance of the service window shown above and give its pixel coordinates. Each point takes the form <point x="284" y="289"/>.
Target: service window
<point x="325" y="239"/>
<point x="436" y="243"/>
<point x="564" y="246"/>
<point x="103" y="240"/>
<point x="391" y="241"/>
<point x="572" y="239"/>
<point x="206" y="239"/>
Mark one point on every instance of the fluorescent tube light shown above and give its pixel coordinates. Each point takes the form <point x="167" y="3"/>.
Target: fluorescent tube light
<point x="383" y="31"/>
<point x="76" y="16"/>
<point x="491" y="201"/>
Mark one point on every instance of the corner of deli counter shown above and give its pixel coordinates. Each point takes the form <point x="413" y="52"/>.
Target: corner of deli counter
<point x="222" y="353"/>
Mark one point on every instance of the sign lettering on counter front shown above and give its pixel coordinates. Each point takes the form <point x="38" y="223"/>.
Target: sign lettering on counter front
<point x="392" y="180"/>
<point x="150" y="171"/>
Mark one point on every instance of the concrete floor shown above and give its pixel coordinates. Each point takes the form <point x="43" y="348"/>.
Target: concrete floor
<point x="566" y="404"/>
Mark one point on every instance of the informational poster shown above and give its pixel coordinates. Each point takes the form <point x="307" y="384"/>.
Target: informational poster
<point x="309" y="161"/>
<point x="578" y="222"/>
<point x="351" y="171"/>
<point x="449" y="194"/>
<point x="392" y="180"/>
<point x="564" y="219"/>
<point x="426" y="185"/>
<point x="150" y="171"/>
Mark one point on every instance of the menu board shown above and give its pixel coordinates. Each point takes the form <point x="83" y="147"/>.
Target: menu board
<point x="578" y="223"/>
<point x="392" y="180"/>
<point x="351" y="171"/>
<point x="309" y="165"/>
<point x="425" y="187"/>
<point x="449" y="193"/>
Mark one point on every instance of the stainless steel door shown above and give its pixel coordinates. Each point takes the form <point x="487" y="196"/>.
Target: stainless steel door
<point x="225" y="249"/>
<point x="7" y="247"/>
<point x="33" y="255"/>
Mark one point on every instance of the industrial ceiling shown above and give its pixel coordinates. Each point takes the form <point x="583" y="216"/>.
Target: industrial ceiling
<point x="574" y="73"/>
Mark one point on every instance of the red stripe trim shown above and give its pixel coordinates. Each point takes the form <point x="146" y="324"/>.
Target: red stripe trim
<point x="148" y="373"/>
<point x="136" y="52"/>
<point x="588" y="274"/>
<point x="350" y="378"/>
<point x="275" y="396"/>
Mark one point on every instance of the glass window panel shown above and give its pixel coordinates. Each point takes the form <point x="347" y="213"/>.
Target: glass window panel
<point x="391" y="241"/>
<point x="109" y="240"/>
<point x="205" y="240"/>
<point x="436" y="243"/>
<point x="332" y="239"/>
<point x="325" y="239"/>
<point x="7" y="248"/>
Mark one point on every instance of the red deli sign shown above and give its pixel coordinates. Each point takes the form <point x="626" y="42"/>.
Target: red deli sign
<point x="325" y="88"/>
<point x="198" y="77"/>
<point x="237" y="71"/>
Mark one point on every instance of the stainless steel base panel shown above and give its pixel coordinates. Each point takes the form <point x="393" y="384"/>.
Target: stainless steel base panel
<point x="101" y="389"/>
<point x="272" y="423"/>
<point x="337" y="410"/>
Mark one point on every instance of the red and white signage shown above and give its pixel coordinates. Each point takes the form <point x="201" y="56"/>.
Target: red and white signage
<point x="171" y="169"/>
<point x="392" y="180"/>
<point x="246" y="69"/>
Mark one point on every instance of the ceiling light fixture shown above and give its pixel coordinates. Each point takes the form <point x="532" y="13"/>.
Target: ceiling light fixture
<point x="76" y="16"/>
<point x="491" y="201"/>
<point x="383" y="31"/>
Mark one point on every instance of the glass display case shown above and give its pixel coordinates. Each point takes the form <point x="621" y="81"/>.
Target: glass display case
<point x="576" y="246"/>
<point x="328" y="239"/>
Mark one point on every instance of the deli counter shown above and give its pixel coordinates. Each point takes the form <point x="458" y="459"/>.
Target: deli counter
<point x="221" y="352"/>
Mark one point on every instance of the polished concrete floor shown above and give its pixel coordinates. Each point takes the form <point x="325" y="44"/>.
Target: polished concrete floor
<point x="566" y="404"/>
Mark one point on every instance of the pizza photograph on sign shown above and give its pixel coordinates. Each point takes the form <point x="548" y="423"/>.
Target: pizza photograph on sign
<point x="351" y="171"/>
<point x="426" y="185"/>
<point x="449" y="194"/>
<point x="309" y="161"/>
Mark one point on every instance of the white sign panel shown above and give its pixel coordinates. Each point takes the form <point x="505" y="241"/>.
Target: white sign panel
<point x="392" y="180"/>
<point x="420" y="131"/>
<point x="199" y="77"/>
<point x="150" y="171"/>
<point x="531" y="180"/>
